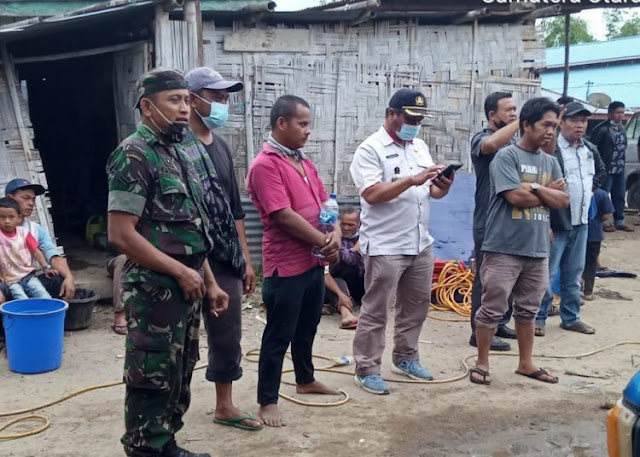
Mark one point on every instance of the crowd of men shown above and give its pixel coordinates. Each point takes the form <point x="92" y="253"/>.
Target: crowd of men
<point x="175" y="215"/>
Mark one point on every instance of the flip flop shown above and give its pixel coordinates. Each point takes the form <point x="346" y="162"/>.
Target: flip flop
<point x="351" y="326"/>
<point x="538" y="376"/>
<point x="120" y="329"/>
<point x="481" y="372"/>
<point x="237" y="422"/>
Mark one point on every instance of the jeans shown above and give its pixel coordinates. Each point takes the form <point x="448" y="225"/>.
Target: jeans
<point x="568" y="253"/>
<point x="28" y="287"/>
<point x="476" y="292"/>
<point x="615" y="184"/>
<point x="294" y="308"/>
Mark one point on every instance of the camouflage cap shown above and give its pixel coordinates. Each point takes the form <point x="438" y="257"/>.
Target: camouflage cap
<point x="159" y="80"/>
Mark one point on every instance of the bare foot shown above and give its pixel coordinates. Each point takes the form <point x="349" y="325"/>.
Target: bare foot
<point x="316" y="387"/>
<point x="231" y="412"/>
<point x="119" y="323"/>
<point x="349" y="320"/>
<point x="270" y="415"/>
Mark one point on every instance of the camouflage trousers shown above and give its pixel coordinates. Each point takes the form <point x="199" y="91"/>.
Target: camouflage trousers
<point x="161" y="352"/>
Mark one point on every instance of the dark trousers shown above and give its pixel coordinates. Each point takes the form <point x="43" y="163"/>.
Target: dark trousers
<point x="294" y="308"/>
<point x="225" y="331"/>
<point x="616" y="185"/>
<point x="351" y="275"/>
<point x="476" y="293"/>
<point x="589" y="274"/>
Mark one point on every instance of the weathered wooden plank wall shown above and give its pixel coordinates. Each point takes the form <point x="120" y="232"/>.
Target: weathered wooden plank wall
<point x="349" y="73"/>
<point x="14" y="163"/>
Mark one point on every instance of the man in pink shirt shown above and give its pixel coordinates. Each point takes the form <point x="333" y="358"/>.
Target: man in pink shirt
<point x="285" y="188"/>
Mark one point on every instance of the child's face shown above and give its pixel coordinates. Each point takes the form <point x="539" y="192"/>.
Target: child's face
<point x="9" y="220"/>
<point x="349" y="223"/>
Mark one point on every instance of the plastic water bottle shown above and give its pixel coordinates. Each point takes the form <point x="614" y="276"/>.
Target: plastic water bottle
<point x="329" y="214"/>
<point x="342" y="361"/>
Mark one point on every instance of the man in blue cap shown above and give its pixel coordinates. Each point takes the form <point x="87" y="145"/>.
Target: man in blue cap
<point x="25" y="193"/>
<point x="229" y="260"/>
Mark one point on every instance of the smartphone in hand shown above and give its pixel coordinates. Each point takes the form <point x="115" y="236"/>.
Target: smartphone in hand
<point x="447" y="172"/>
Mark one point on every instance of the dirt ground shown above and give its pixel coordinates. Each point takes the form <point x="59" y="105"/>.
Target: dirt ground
<point x="513" y="417"/>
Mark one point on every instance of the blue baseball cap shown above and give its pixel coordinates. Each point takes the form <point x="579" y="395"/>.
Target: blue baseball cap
<point x="22" y="184"/>
<point x="208" y="78"/>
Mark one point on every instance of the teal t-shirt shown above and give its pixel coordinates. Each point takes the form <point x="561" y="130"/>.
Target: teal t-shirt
<point x="519" y="231"/>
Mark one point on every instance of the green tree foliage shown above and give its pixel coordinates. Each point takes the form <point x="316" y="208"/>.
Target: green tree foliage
<point x="613" y="19"/>
<point x="553" y="31"/>
<point x="621" y="23"/>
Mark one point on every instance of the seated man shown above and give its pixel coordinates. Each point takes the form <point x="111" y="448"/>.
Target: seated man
<point x="350" y="267"/>
<point x="337" y="299"/>
<point x="23" y="192"/>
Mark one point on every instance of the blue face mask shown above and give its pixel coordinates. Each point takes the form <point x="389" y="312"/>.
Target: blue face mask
<point x="218" y="114"/>
<point x="408" y="132"/>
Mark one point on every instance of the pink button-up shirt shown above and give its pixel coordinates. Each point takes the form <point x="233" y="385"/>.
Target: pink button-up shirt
<point x="274" y="184"/>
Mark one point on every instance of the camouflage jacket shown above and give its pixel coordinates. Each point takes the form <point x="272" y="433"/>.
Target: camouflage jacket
<point x="159" y="184"/>
<point x="222" y="229"/>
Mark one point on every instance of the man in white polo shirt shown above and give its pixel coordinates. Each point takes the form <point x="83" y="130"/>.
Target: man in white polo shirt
<point x="395" y="176"/>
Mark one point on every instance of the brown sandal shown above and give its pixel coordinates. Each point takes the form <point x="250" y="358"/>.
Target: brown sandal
<point x="481" y="372"/>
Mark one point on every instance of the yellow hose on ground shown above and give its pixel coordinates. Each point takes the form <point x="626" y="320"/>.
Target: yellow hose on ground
<point x="454" y="279"/>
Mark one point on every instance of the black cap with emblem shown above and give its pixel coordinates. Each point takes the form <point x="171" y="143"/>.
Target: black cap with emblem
<point x="159" y="80"/>
<point x="411" y="101"/>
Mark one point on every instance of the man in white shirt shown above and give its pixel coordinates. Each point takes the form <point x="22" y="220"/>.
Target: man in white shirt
<point x="584" y="172"/>
<point x="395" y="176"/>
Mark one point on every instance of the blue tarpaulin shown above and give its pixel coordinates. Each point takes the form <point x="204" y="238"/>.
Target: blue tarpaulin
<point x="451" y="220"/>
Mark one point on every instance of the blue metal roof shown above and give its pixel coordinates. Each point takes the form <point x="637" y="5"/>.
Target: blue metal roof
<point x="620" y="82"/>
<point x="620" y="48"/>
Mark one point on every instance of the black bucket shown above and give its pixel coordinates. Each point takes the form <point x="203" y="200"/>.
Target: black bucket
<point x="80" y="310"/>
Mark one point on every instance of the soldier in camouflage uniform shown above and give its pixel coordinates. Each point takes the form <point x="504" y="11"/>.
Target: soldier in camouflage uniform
<point x="158" y="219"/>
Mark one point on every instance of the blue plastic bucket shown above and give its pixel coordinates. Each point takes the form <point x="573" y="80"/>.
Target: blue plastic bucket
<point x="34" y="331"/>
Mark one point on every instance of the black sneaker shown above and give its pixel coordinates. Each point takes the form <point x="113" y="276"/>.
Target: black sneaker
<point x="505" y="332"/>
<point x="496" y="344"/>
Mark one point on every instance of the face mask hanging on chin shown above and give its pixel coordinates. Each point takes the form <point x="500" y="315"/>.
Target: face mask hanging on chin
<point x="175" y="131"/>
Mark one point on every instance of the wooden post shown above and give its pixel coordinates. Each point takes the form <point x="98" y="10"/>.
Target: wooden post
<point x="248" y="109"/>
<point x="162" y="45"/>
<point x="7" y="63"/>
<point x="472" y="89"/>
<point x="336" y="149"/>
<point x="193" y="36"/>
<point x="567" y="41"/>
